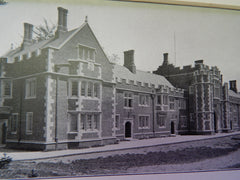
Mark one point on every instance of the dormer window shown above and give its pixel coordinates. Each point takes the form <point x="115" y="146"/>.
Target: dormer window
<point x="86" y="53"/>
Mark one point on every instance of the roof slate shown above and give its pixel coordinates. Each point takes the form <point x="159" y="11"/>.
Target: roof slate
<point x="52" y="42"/>
<point x="233" y="94"/>
<point x="122" y="72"/>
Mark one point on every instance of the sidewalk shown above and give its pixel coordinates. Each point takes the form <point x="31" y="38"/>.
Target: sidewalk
<point x="122" y="145"/>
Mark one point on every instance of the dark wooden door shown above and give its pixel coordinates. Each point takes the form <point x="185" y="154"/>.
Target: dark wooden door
<point x="128" y="130"/>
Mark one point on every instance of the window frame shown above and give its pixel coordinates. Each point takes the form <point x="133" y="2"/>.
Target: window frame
<point x="71" y="130"/>
<point x="145" y="124"/>
<point x="28" y="88"/>
<point x="89" y="125"/>
<point x="171" y="100"/>
<point x="4" y="89"/>
<point x="159" y="121"/>
<point x="29" y="129"/>
<point x="128" y="100"/>
<point x="77" y="90"/>
<point x="144" y="100"/>
<point x="88" y="53"/>
<point x="15" y="124"/>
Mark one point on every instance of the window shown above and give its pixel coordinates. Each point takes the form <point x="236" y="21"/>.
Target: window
<point x="128" y="99"/>
<point x="161" y="120"/>
<point x="144" y="100"/>
<point x="165" y="99"/>
<point x="86" y="53"/>
<point x="216" y="92"/>
<point x="96" y="89"/>
<point x="182" y="104"/>
<point x="73" y="122"/>
<point x="117" y="121"/>
<point x="30" y="91"/>
<point x="83" y="88"/>
<point x="159" y="99"/>
<point x="29" y="122"/>
<point x="143" y="122"/>
<point x="7" y="88"/>
<point x="74" y="88"/>
<point x="171" y="103"/>
<point x="89" y="121"/>
<point x="13" y="123"/>
<point x="83" y="121"/>
<point x="90" y="89"/>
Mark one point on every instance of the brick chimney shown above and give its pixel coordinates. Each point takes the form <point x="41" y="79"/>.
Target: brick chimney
<point x="165" y="59"/>
<point x="62" y="20"/>
<point x="129" y="61"/>
<point x="28" y="33"/>
<point x="233" y="85"/>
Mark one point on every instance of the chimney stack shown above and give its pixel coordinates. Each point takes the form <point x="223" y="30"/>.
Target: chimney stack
<point x="165" y="59"/>
<point x="28" y="33"/>
<point x="233" y="85"/>
<point x="62" y="20"/>
<point x="129" y="61"/>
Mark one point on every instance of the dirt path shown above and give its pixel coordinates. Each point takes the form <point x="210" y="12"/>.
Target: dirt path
<point x="207" y="154"/>
<point x="221" y="162"/>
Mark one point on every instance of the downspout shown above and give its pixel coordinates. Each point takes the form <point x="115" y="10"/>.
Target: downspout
<point x="153" y="112"/>
<point x="20" y="112"/>
<point x="56" y="110"/>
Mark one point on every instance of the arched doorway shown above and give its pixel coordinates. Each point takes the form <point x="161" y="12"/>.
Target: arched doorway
<point x="128" y="130"/>
<point x="172" y="128"/>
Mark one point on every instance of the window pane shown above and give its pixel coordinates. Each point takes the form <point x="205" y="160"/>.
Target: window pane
<point x="30" y="90"/>
<point x="74" y="88"/>
<point x="83" y="121"/>
<point x="96" y="90"/>
<point x="85" y="54"/>
<point x="89" y="121"/>
<point x="29" y="121"/>
<point x="7" y="88"/>
<point x="81" y="52"/>
<point x="83" y="88"/>
<point x="90" y="89"/>
<point x="73" y="122"/>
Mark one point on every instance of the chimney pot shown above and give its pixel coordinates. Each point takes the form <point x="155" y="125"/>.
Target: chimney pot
<point x="233" y="85"/>
<point x="129" y="61"/>
<point x="28" y="32"/>
<point x="165" y="59"/>
<point x="62" y="20"/>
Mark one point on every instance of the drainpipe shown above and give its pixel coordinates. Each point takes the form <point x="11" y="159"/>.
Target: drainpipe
<point x="56" y="110"/>
<point x="153" y="112"/>
<point x="20" y="111"/>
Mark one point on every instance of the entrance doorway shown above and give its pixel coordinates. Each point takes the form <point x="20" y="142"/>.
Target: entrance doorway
<point x="128" y="130"/>
<point x="172" y="128"/>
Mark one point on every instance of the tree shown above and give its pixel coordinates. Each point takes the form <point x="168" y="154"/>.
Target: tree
<point x="44" y="31"/>
<point x="114" y="58"/>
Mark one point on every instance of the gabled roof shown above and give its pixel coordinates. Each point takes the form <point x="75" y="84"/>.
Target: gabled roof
<point x="122" y="72"/>
<point x="233" y="94"/>
<point x="55" y="43"/>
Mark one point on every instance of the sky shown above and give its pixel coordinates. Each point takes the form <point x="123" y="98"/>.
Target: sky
<point x="186" y="33"/>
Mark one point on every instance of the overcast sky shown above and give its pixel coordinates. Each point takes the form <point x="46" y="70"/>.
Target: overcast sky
<point x="200" y="33"/>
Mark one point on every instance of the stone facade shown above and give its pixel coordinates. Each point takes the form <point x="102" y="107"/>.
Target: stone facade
<point x="63" y="92"/>
<point x="208" y="99"/>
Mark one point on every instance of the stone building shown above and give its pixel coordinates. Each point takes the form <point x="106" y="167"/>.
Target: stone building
<point x="211" y="106"/>
<point x="63" y="92"/>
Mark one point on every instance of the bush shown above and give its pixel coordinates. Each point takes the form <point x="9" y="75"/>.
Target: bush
<point x="5" y="160"/>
